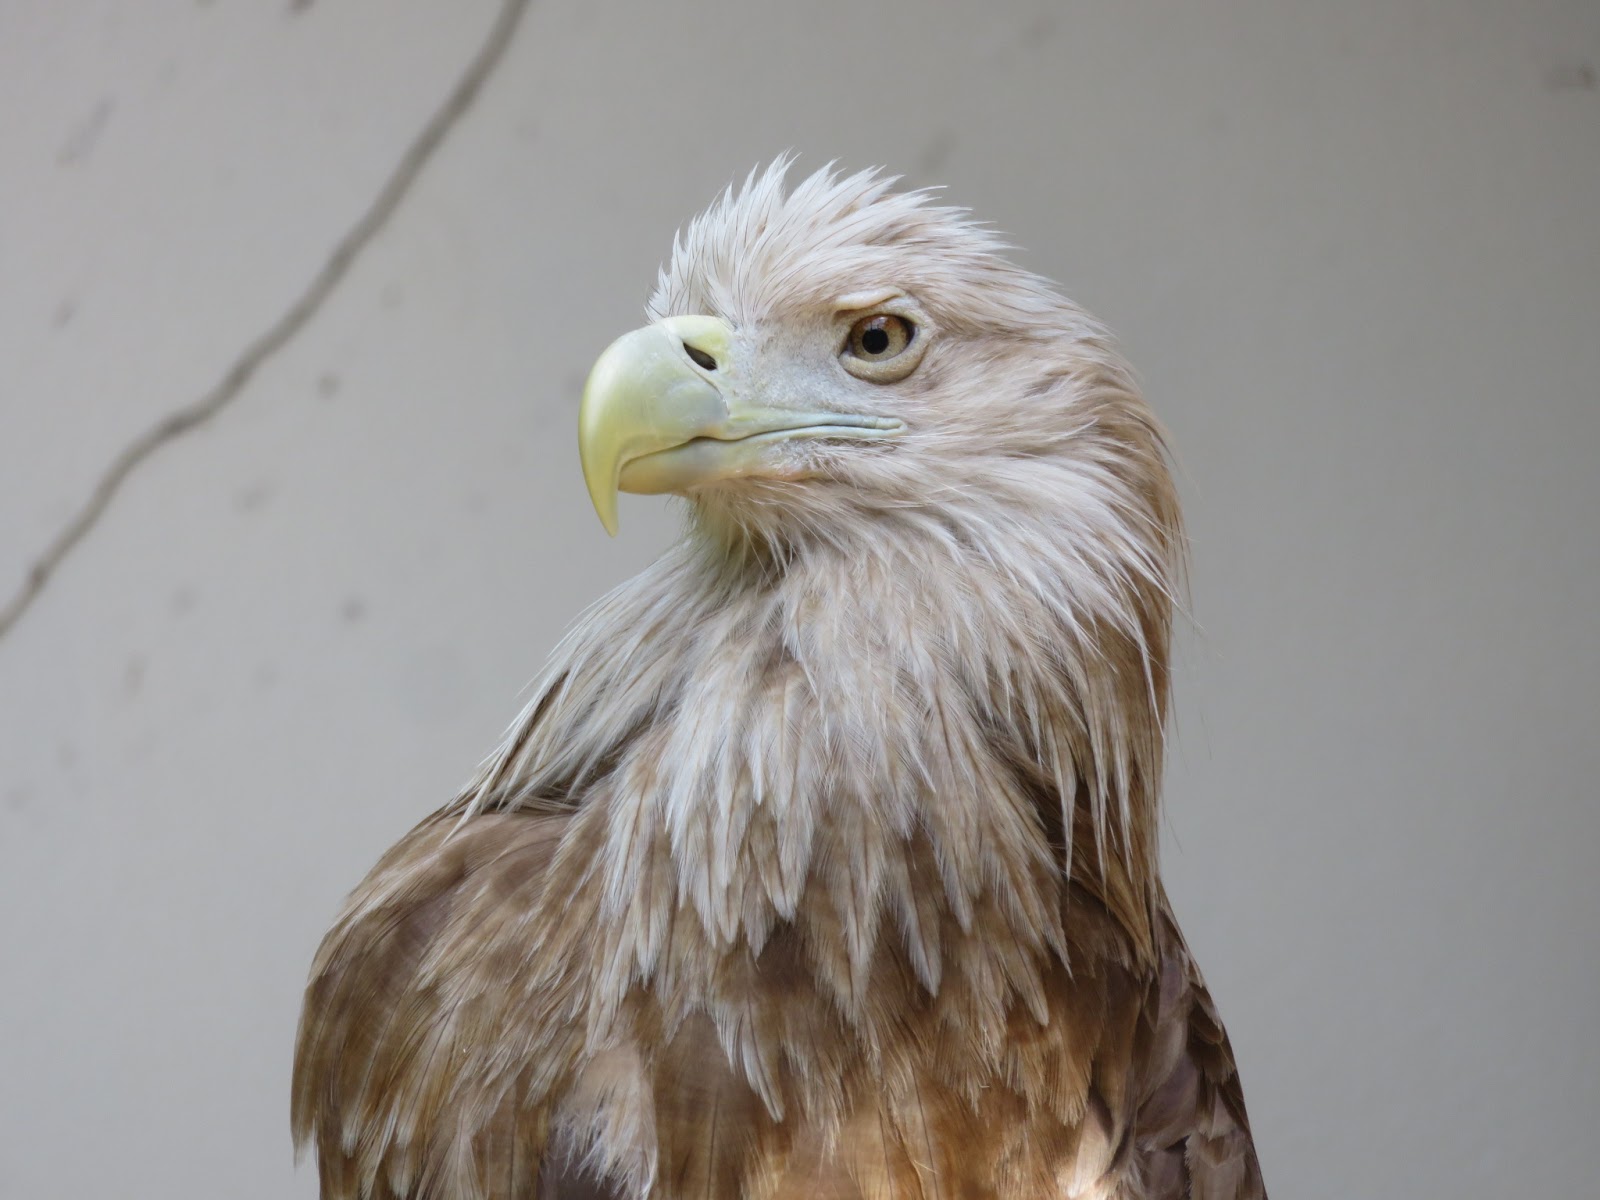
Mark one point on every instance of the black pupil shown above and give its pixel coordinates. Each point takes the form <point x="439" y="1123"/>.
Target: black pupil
<point x="875" y="339"/>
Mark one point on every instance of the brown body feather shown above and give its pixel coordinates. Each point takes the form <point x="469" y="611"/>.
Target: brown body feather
<point x="824" y="863"/>
<point x="425" y="1070"/>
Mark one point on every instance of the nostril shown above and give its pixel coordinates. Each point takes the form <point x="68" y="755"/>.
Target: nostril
<point x="701" y="358"/>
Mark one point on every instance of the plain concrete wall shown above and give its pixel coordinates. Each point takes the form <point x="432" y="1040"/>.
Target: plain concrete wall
<point x="1353" y="248"/>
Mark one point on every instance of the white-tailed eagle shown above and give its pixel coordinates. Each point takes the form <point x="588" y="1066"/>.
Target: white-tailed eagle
<point x="823" y="864"/>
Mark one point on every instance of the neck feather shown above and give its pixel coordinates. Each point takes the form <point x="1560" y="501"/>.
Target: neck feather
<point x="989" y="677"/>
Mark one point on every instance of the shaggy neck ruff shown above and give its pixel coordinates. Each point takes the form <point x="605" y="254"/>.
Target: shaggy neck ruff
<point x="760" y="718"/>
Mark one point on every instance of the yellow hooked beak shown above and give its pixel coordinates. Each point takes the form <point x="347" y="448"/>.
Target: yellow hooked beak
<point x="662" y="412"/>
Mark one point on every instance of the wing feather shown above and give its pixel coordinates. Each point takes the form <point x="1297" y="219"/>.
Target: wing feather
<point x="1192" y="1129"/>
<point x="397" y="1076"/>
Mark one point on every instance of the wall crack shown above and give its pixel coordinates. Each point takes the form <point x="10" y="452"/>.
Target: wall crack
<point x="283" y="330"/>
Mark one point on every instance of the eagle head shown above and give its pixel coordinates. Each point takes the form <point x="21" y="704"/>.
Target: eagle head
<point x="842" y="359"/>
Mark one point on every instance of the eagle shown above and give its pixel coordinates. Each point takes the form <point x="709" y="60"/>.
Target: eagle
<point x="823" y="861"/>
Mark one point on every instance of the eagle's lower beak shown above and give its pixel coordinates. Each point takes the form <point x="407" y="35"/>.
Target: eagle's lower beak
<point x="662" y="412"/>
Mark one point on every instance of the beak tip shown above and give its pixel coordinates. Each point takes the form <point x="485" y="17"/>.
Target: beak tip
<point x="605" y="507"/>
<point x="597" y="474"/>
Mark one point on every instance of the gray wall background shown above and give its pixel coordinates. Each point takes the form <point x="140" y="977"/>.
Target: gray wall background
<point x="1353" y="248"/>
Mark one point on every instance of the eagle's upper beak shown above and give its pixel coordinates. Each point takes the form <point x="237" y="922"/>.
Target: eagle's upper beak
<point x="664" y="410"/>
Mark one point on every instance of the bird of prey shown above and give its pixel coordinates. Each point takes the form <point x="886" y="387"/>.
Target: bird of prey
<point x="823" y="862"/>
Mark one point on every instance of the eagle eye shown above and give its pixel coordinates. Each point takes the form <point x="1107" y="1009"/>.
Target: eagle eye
<point x="879" y="347"/>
